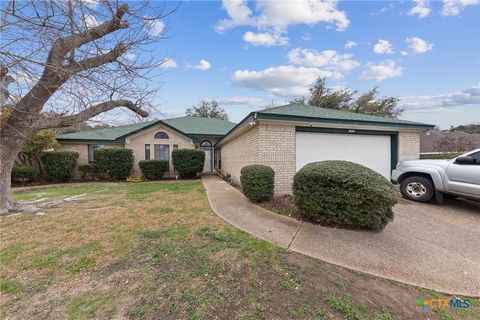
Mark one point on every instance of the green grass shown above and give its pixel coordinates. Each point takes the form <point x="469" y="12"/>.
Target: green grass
<point x="85" y="305"/>
<point x="10" y="286"/>
<point x="156" y="250"/>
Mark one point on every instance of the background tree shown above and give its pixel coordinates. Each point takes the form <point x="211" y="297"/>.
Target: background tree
<point x="207" y="109"/>
<point x="468" y="128"/>
<point x="71" y="60"/>
<point x="349" y="100"/>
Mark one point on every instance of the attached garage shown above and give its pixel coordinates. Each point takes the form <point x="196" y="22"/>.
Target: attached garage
<point x="286" y="138"/>
<point x="372" y="149"/>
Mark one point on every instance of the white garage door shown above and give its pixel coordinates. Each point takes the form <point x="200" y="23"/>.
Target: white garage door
<point x="368" y="150"/>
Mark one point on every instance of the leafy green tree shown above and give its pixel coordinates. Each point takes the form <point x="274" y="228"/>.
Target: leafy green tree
<point x="43" y="140"/>
<point x="207" y="109"/>
<point x="349" y="100"/>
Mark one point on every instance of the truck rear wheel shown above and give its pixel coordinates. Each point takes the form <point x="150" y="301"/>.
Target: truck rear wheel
<point x="417" y="189"/>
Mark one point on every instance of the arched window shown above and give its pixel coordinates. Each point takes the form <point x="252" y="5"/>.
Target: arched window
<point x="205" y="143"/>
<point x="161" y="135"/>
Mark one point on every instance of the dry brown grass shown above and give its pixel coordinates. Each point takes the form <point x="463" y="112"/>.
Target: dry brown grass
<point x="157" y="251"/>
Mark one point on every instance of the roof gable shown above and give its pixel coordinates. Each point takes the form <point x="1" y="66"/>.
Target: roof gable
<point x="201" y="125"/>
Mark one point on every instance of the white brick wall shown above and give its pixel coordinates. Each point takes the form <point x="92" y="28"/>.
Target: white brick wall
<point x="241" y="151"/>
<point x="269" y="144"/>
<point x="408" y="145"/>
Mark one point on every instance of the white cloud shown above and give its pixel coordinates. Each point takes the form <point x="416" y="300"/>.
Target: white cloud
<point x="383" y="47"/>
<point x="279" y="15"/>
<point x="306" y="36"/>
<point x="281" y="80"/>
<point x="350" y="44"/>
<point x="469" y="96"/>
<point x="130" y="56"/>
<point x="240" y="100"/>
<point x="381" y="71"/>
<point x="90" y="21"/>
<point x="328" y="60"/>
<point x="168" y="64"/>
<point x="421" y="8"/>
<point x="419" y="45"/>
<point x="265" y="39"/>
<point x="383" y="10"/>
<point x="453" y="7"/>
<point x="155" y="27"/>
<point x="203" y="65"/>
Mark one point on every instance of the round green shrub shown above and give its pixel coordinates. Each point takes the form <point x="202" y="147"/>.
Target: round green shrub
<point x="188" y="162"/>
<point x="257" y="182"/>
<point x="114" y="163"/>
<point x="23" y="173"/>
<point x="344" y="194"/>
<point x="153" y="169"/>
<point x="59" y="164"/>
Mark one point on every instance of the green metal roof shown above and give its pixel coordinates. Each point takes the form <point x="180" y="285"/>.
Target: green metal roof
<point x="303" y="111"/>
<point x="185" y="125"/>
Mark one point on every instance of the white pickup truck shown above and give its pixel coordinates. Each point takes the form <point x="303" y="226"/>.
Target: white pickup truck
<point x="421" y="180"/>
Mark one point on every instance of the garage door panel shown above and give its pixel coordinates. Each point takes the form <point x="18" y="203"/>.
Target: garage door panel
<point x="372" y="151"/>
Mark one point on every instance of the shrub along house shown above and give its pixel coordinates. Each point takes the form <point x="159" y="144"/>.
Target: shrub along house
<point x="284" y="138"/>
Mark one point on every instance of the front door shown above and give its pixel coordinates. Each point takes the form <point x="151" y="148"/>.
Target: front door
<point x="207" y="166"/>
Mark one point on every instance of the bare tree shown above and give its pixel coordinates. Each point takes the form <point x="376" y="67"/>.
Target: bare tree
<point x="71" y="60"/>
<point x="457" y="143"/>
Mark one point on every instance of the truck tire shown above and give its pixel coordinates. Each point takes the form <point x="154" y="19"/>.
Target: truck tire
<point x="417" y="189"/>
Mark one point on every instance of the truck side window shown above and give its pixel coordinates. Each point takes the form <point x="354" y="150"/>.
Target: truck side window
<point x="476" y="156"/>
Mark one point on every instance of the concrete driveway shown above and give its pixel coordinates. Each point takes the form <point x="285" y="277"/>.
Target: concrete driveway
<point x="427" y="245"/>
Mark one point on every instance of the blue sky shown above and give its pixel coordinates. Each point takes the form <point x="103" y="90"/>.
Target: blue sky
<point x="258" y="53"/>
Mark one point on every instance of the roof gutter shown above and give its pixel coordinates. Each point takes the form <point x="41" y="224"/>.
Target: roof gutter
<point x="272" y="116"/>
<point x="252" y="115"/>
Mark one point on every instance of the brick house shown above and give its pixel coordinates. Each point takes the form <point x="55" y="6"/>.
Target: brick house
<point x="150" y="140"/>
<point x="284" y="138"/>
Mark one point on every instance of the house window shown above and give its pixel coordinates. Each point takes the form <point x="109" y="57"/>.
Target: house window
<point x="92" y="147"/>
<point x="161" y="135"/>
<point x="175" y="147"/>
<point x="162" y="152"/>
<point x="147" y="152"/>
<point x="205" y="143"/>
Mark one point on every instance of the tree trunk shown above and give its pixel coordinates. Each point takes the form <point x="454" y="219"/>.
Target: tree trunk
<point x="9" y="150"/>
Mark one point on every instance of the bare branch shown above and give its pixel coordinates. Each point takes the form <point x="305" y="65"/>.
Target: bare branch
<point x="63" y="45"/>
<point x="90" y="63"/>
<point x="65" y="121"/>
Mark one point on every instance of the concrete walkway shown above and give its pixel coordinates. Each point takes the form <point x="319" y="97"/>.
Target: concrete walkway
<point x="431" y="246"/>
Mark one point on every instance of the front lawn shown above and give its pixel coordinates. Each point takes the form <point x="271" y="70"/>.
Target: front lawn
<point x="157" y="251"/>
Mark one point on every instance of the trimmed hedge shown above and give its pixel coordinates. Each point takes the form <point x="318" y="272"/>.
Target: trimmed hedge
<point x="257" y="182"/>
<point x="345" y="194"/>
<point x="23" y="173"/>
<point x="59" y="164"/>
<point x="115" y="163"/>
<point x="153" y="169"/>
<point x="188" y="162"/>
<point x="445" y="155"/>
<point x="87" y="171"/>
